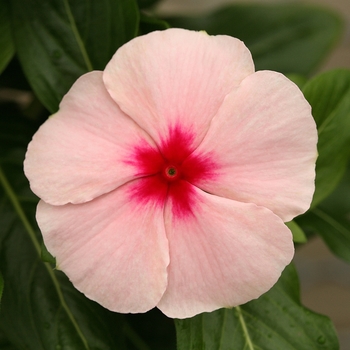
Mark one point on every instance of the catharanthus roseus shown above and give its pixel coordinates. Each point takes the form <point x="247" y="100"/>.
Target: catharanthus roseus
<point x="166" y="179"/>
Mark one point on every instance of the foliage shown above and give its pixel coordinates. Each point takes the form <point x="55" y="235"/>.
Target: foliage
<point x="57" y="41"/>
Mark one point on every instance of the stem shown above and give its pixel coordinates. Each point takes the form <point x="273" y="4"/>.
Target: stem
<point x="245" y="329"/>
<point x="19" y="211"/>
<point x="15" y="203"/>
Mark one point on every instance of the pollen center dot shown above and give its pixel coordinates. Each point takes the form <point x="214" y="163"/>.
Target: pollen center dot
<point x="171" y="172"/>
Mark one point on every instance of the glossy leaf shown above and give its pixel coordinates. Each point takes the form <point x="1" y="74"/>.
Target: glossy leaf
<point x="59" y="40"/>
<point x="276" y="320"/>
<point x="289" y="38"/>
<point x="40" y="308"/>
<point x="331" y="220"/>
<point x="6" y="44"/>
<point x="329" y="96"/>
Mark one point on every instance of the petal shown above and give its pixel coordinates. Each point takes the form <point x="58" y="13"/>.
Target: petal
<point x="226" y="254"/>
<point x="176" y="77"/>
<point x="112" y="249"/>
<point x="82" y="151"/>
<point x="264" y="144"/>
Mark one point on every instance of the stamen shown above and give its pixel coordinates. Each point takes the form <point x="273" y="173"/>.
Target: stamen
<point x="171" y="172"/>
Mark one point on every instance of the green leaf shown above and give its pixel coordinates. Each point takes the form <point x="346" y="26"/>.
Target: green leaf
<point x="5" y="344"/>
<point x="1" y="286"/>
<point x="146" y="3"/>
<point x="149" y="24"/>
<point x="46" y="256"/>
<point x="59" y="40"/>
<point x="40" y="309"/>
<point x="298" y="233"/>
<point x="7" y="49"/>
<point x="276" y="320"/>
<point x="297" y="79"/>
<point x="329" y="96"/>
<point x="331" y="220"/>
<point x="289" y="38"/>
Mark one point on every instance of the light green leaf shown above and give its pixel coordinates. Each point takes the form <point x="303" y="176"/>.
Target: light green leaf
<point x="331" y="220"/>
<point x="40" y="309"/>
<point x="46" y="256"/>
<point x="298" y="233"/>
<point x="289" y="38"/>
<point x="276" y="320"/>
<point x="59" y="40"/>
<point x="329" y="96"/>
<point x="7" y="49"/>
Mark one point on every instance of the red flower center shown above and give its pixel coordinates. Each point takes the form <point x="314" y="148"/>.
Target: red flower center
<point x="170" y="172"/>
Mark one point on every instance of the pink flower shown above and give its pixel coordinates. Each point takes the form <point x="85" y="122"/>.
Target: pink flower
<point x="165" y="180"/>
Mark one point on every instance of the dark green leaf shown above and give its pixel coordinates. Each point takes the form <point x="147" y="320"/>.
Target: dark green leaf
<point x="329" y="96"/>
<point x="331" y="219"/>
<point x="274" y="321"/>
<point x="40" y="307"/>
<point x="6" y="45"/>
<point x="1" y="286"/>
<point x="59" y="40"/>
<point x="5" y="344"/>
<point x="149" y="24"/>
<point x="146" y="3"/>
<point x="298" y="79"/>
<point x="289" y="38"/>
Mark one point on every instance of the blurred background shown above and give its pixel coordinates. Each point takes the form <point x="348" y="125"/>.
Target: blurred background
<point x="324" y="279"/>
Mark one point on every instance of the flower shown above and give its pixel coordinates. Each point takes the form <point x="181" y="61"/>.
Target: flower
<point x="166" y="179"/>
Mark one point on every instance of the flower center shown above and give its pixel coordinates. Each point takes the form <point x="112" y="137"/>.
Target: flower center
<point x="171" y="172"/>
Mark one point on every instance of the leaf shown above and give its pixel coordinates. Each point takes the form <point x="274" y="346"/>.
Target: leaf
<point x="297" y="79"/>
<point x="146" y="3"/>
<point x="149" y="24"/>
<point x="7" y="49"/>
<point x="298" y="233"/>
<point x="59" y="40"/>
<point x="46" y="256"/>
<point x="289" y="38"/>
<point x="329" y="96"/>
<point x="5" y="345"/>
<point x="331" y="220"/>
<point x="1" y="286"/>
<point x="41" y="310"/>
<point x="276" y="320"/>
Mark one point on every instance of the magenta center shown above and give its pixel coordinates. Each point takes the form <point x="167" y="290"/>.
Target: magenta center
<point x="171" y="172"/>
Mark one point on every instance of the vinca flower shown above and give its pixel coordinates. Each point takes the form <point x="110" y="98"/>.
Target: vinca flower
<point x="166" y="179"/>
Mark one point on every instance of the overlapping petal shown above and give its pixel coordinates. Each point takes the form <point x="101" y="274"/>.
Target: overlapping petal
<point x="176" y="77"/>
<point x="223" y="255"/>
<point x="264" y="140"/>
<point x="112" y="249"/>
<point x="81" y="152"/>
<point x="231" y="153"/>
